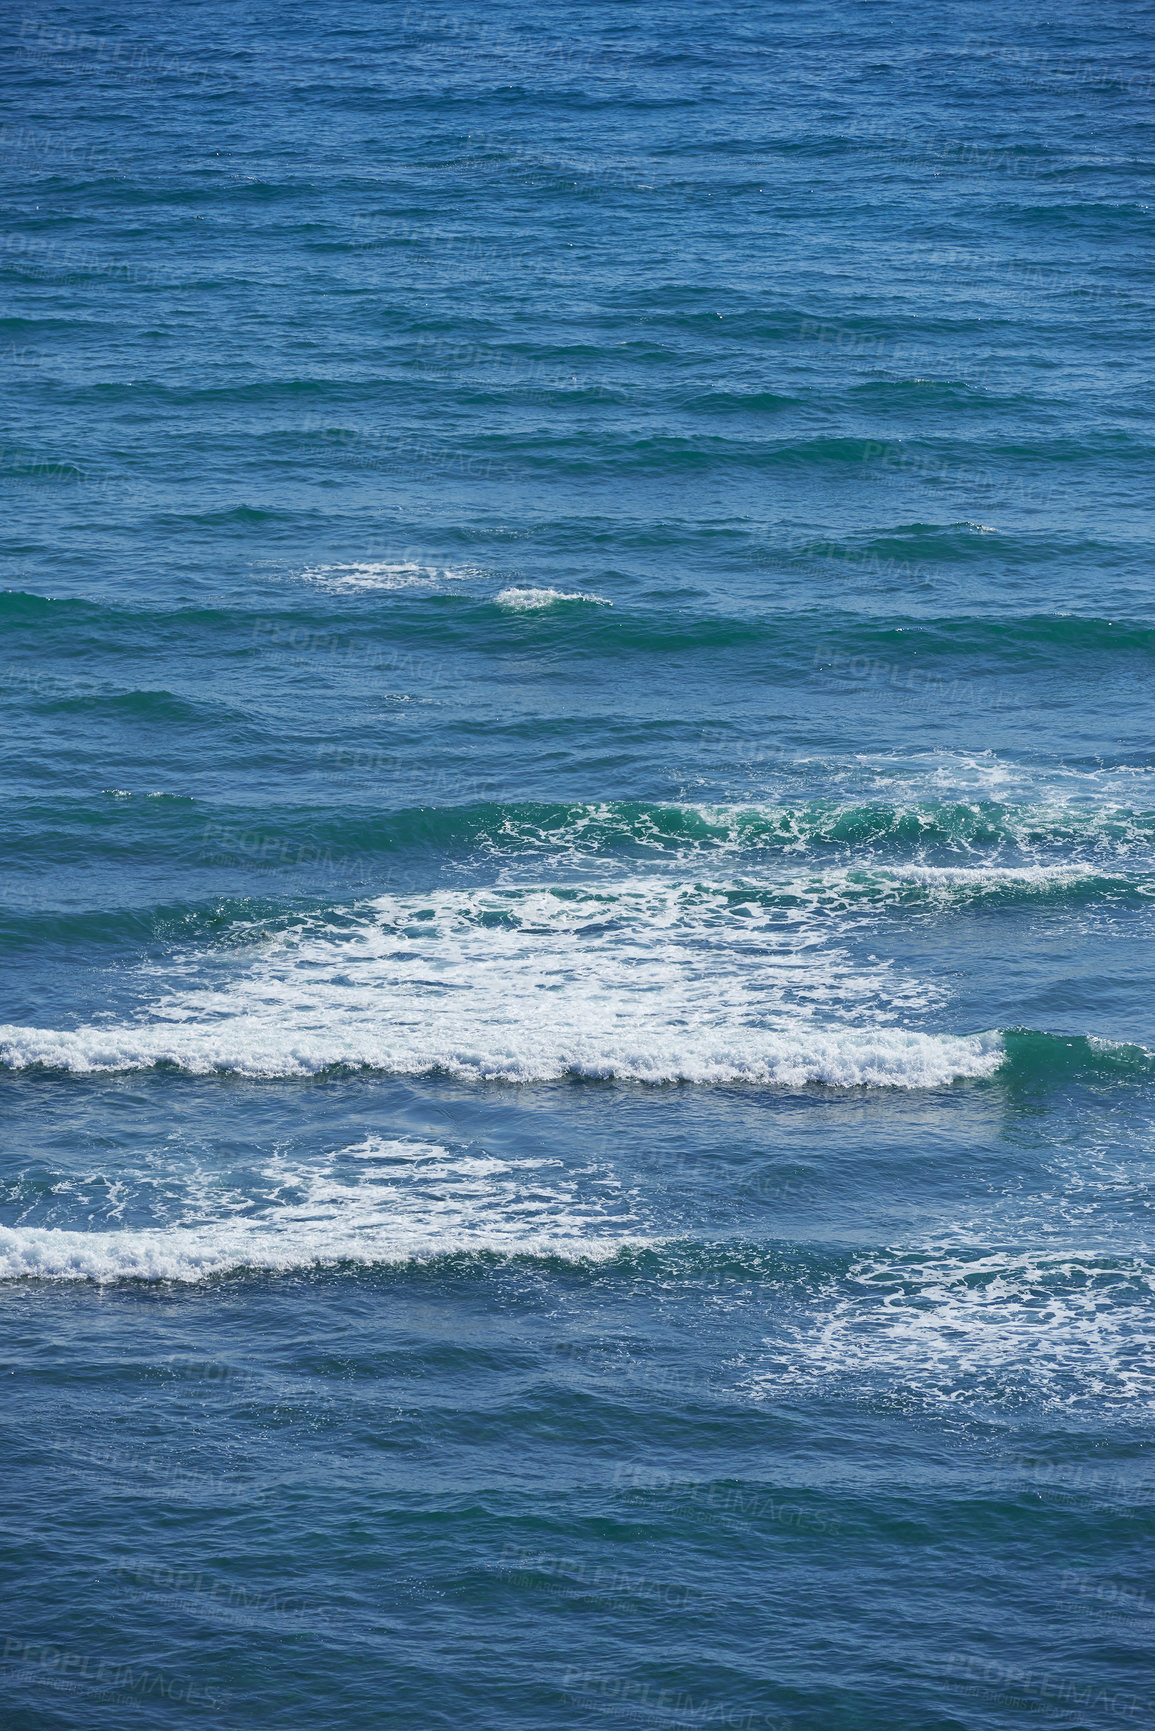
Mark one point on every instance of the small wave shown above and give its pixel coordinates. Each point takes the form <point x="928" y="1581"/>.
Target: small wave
<point x="374" y="1203"/>
<point x="956" y="847"/>
<point x="158" y="708"/>
<point x="533" y="600"/>
<point x="18" y="605"/>
<point x="1036" y="1056"/>
<point x="983" y="837"/>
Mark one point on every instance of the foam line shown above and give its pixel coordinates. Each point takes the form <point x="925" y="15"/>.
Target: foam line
<point x="647" y="981"/>
<point x="251" y="1046"/>
<point x="375" y="1203"/>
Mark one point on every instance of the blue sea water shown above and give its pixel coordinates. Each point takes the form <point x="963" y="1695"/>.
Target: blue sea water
<point x="578" y="1055"/>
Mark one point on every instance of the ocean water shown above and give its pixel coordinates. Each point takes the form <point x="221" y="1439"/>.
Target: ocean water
<point x="576" y="1034"/>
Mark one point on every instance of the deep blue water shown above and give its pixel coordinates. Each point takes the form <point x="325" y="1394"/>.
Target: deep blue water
<point x="578" y="1054"/>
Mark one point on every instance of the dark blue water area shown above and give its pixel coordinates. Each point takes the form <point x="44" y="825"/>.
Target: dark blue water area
<point x="576" y="1043"/>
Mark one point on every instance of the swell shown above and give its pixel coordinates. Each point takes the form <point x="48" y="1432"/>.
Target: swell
<point x="348" y="627"/>
<point x="224" y="921"/>
<point x="1033" y="1056"/>
<point x="227" y="923"/>
<point x="1073" y="850"/>
<point x="158" y="708"/>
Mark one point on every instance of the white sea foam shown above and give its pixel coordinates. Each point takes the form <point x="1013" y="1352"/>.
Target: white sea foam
<point x="1095" y="799"/>
<point x="961" y="1327"/>
<point x="982" y="877"/>
<point x="385" y="575"/>
<point x="376" y="1202"/>
<point x="532" y="600"/>
<point x="647" y="981"/>
<point x="843" y="1058"/>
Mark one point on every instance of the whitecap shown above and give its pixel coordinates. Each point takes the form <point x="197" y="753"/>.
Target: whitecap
<point x="533" y="600"/>
<point x="384" y="575"/>
<point x="377" y="1202"/>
